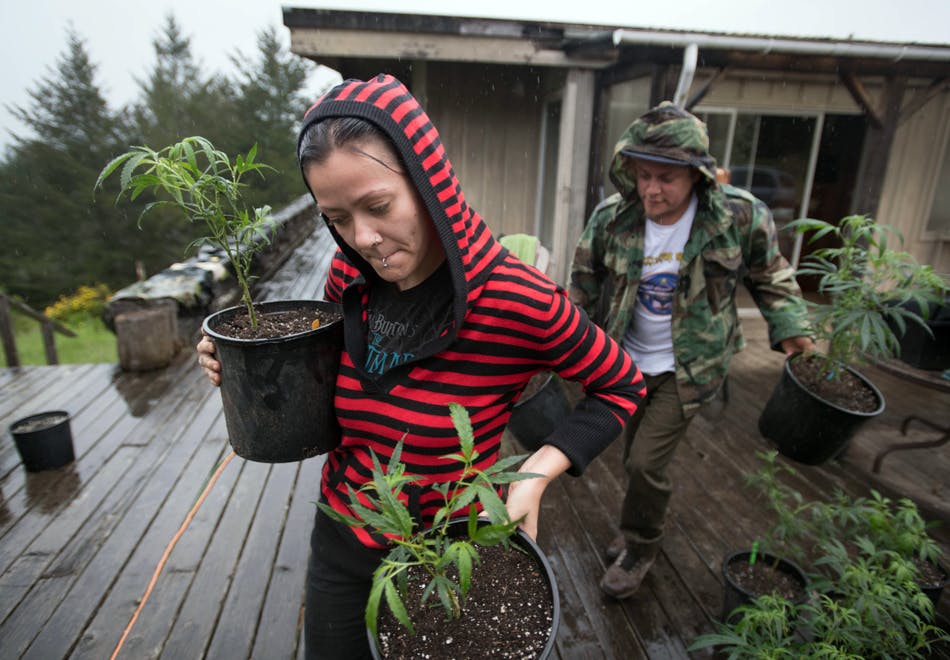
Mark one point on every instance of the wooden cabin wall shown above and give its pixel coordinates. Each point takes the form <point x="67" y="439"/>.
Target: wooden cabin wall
<point x="768" y="91"/>
<point x="489" y="119"/>
<point x="913" y="169"/>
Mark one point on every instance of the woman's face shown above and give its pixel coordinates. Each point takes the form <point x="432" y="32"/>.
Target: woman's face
<point x="370" y="202"/>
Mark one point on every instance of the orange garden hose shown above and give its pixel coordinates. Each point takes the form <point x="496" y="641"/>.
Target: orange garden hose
<point x="168" y="552"/>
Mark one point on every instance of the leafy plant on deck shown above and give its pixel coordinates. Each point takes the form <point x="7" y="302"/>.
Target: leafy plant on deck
<point x="206" y="186"/>
<point x="859" y="554"/>
<point x="378" y="505"/>
<point x="866" y="283"/>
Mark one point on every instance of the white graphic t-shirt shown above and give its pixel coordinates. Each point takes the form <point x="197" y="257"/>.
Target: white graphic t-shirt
<point x="649" y="339"/>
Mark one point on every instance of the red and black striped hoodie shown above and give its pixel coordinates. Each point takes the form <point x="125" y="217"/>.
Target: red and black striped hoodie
<point x="510" y="322"/>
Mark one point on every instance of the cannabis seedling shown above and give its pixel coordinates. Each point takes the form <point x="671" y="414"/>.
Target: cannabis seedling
<point x="206" y="186"/>
<point x="866" y="284"/>
<point x="379" y="505"/>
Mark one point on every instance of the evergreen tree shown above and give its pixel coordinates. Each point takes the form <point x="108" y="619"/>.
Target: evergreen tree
<point x="57" y="235"/>
<point x="269" y="106"/>
<point x="176" y="100"/>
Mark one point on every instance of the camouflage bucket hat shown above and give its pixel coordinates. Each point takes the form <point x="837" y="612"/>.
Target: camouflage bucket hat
<point x="669" y="134"/>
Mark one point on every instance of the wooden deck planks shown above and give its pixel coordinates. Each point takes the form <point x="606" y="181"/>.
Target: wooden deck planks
<point x="99" y="575"/>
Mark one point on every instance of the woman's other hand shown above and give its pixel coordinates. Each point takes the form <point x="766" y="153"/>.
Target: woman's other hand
<point x="524" y="497"/>
<point x="207" y="361"/>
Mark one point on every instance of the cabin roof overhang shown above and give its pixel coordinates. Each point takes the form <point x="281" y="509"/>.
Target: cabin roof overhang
<point x="334" y="36"/>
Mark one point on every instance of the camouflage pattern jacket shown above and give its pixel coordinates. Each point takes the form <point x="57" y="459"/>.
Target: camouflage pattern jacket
<point x="733" y="235"/>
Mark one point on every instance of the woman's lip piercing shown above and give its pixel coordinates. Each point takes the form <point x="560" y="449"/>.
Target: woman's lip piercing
<point x="385" y="264"/>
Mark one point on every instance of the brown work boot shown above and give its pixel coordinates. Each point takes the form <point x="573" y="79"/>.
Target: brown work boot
<point x="625" y="575"/>
<point x="615" y="547"/>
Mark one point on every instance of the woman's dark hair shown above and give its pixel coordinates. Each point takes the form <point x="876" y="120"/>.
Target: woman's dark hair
<point x="324" y="137"/>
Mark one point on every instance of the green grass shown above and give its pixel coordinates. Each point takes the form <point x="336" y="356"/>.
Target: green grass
<point x="93" y="342"/>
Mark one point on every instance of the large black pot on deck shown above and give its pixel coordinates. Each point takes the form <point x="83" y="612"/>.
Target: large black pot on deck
<point x="807" y="428"/>
<point x="278" y="392"/>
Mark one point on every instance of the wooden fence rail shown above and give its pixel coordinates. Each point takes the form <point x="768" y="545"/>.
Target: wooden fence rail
<point x="47" y="326"/>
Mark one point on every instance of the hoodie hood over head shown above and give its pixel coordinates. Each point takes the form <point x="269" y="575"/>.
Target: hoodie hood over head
<point x="665" y="134"/>
<point x="470" y="248"/>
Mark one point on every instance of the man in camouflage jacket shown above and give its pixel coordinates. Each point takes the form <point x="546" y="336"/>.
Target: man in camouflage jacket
<point x="679" y="321"/>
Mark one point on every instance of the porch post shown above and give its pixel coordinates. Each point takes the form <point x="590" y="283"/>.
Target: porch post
<point x="882" y="125"/>
<point x="574" y="150"/>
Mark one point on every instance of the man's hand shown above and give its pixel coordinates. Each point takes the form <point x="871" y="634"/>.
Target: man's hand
<point x="797" y="345"/>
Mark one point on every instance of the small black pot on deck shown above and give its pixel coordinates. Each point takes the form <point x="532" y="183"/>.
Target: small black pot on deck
<point x="278" y="392"/>
<point x="44" y="440"/>
<point x="735" y="595"/>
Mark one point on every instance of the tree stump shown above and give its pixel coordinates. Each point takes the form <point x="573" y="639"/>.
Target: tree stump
<point x="147" y="337"/>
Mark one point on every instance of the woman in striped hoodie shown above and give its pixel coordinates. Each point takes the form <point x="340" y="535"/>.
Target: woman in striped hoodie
<point x="435" y="311"/>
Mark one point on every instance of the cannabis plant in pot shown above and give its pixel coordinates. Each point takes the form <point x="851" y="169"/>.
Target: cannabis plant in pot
<point x="278" y="381"/>
<point x="441" y="563"/>
<point x="890" y="525"/>
<point x="206" y="185"/>
<point x="864" y="285"/>
<point x="770" y="567"/>
<point x="862" y="556"/>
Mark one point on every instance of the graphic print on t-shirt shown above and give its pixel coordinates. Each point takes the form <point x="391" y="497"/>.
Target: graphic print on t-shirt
<point x="384" y="337"/>
<point x="655" y="293"/>
<point x="401" y="323"/>
<point x="649" y="338"/>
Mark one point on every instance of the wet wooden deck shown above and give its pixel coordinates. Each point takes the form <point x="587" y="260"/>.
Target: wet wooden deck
<point x="78" y="545"/>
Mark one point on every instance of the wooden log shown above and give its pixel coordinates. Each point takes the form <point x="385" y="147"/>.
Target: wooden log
<point x="147" y="338"/>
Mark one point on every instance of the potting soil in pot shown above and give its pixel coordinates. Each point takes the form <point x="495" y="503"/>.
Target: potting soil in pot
<point x="38" y="423"/>
<point x="761" y="579"/>
<point x="846" y="391"/>
<point x="508" y="613"/>
<point x="276" y="324"/>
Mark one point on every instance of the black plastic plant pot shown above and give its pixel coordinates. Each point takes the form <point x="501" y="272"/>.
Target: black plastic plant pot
<point x="525" y="542"/>
<point x="933" y="591"/>
<point x="533" y="550"/>
<point x="805" y="427"/>
<point x="537" y="415"/>
<point x="44" y="440"/>
<point x="929" y="351"/>
<point x="735" y="595"/>
<point x="277" y="393"/>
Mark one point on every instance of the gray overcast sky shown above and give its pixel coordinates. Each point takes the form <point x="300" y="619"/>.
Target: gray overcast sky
<point x="119" y="33"/>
